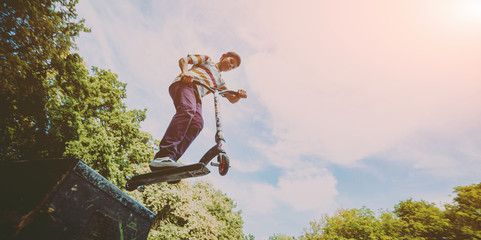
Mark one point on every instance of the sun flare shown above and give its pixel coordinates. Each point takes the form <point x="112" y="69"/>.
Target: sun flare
<point x="467" y="10"/>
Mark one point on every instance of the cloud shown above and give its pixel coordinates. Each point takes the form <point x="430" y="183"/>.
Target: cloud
<point x="300" y="189"/>
<point x="348" y="83"/>
<point x="306" y="189"/>
<point x="451" y="154"/>
<point x="339" y="82"/>
<point x="286" y="205"/>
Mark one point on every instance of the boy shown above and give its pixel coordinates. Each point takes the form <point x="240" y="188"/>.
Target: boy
<point x="187" y="121"/>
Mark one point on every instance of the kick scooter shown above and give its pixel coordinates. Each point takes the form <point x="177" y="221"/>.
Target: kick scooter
<point x="175" y="174"/>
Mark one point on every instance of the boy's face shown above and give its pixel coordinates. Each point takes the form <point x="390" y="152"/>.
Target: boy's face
<point x="227" y="63"/>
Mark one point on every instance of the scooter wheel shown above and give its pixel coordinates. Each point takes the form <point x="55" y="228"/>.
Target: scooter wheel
<point x="223" y="164"/>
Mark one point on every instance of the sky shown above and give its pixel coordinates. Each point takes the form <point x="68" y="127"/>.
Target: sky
<point x="350" y="103"/>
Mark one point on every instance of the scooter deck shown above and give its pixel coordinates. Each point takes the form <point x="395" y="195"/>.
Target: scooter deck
<point x="167" y="175"/>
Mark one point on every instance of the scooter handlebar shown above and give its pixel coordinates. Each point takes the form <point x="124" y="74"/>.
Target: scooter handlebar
<point x="211" y="89"/>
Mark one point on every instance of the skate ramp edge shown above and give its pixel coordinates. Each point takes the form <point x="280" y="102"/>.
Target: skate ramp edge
<point x="66" y="199"/>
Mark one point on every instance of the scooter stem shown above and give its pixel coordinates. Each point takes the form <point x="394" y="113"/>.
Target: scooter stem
<point x="219" y="136"/>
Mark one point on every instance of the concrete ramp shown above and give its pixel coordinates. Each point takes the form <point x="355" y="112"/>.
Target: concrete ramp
<point x="66" y="199"/>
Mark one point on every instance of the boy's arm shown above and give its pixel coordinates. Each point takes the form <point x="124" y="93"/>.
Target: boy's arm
<point x="235" y="98"/>
<point x="184" y="64"/>
<point x="192" y="59"/>
<point x="184" y="67"/>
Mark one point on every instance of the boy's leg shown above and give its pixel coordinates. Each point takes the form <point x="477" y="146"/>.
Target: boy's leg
<point x="195" y="127"/>
<point x="184" y="98"/>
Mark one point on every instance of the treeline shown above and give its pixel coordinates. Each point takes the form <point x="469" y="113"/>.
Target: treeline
<point x="52" y="105"/>
<point x="410" y="219"/>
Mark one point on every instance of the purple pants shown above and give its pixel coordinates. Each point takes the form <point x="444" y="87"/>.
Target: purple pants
<point x="186" y="123"/>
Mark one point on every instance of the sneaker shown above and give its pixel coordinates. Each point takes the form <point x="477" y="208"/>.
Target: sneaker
<point x="163" y="162"/>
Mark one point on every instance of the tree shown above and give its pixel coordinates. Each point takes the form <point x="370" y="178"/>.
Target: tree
<point x="32" y="35"/>
<point x="49" y="104"/>
<point x="465" y="212"/>
<point x="190" y="211"/>
<point x="421" y="220"/>
<point x="353" y="224"/>
<point x="88" y="119"/>
<point x="410" y="219"/>
<point x="280" y="236"/>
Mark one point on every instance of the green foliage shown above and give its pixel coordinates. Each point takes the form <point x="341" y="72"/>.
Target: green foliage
<point x="248" y="237"/>
<point x="353" y="224"/>
<point x="281" y="237"/>
<point x="88" y="116"/>
<point x="418" y="220"/>
<point x="465" y="212"/>
<point x="190" y="211"/>
<point x="421" y="220"/>
<point x="51" y="106"/>
<point x="390" y="225"/>
<point x="32" y="34"/>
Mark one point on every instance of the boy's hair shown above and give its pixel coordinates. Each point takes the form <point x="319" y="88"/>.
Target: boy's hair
<point x="234" y="55"/>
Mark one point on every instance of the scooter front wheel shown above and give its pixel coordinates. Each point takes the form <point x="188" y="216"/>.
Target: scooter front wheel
<point x="223" y="164"/>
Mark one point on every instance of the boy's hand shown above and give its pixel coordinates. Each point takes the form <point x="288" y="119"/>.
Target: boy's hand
<point x="233" y="98"/>
<point x="241" y="93"/>
<point x="187" y="78"/>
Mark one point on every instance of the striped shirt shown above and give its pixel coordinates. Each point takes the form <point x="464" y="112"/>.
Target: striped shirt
<point x="204" y="70"/>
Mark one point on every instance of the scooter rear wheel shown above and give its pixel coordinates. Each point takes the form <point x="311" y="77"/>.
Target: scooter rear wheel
<point x="223" y="164"/>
